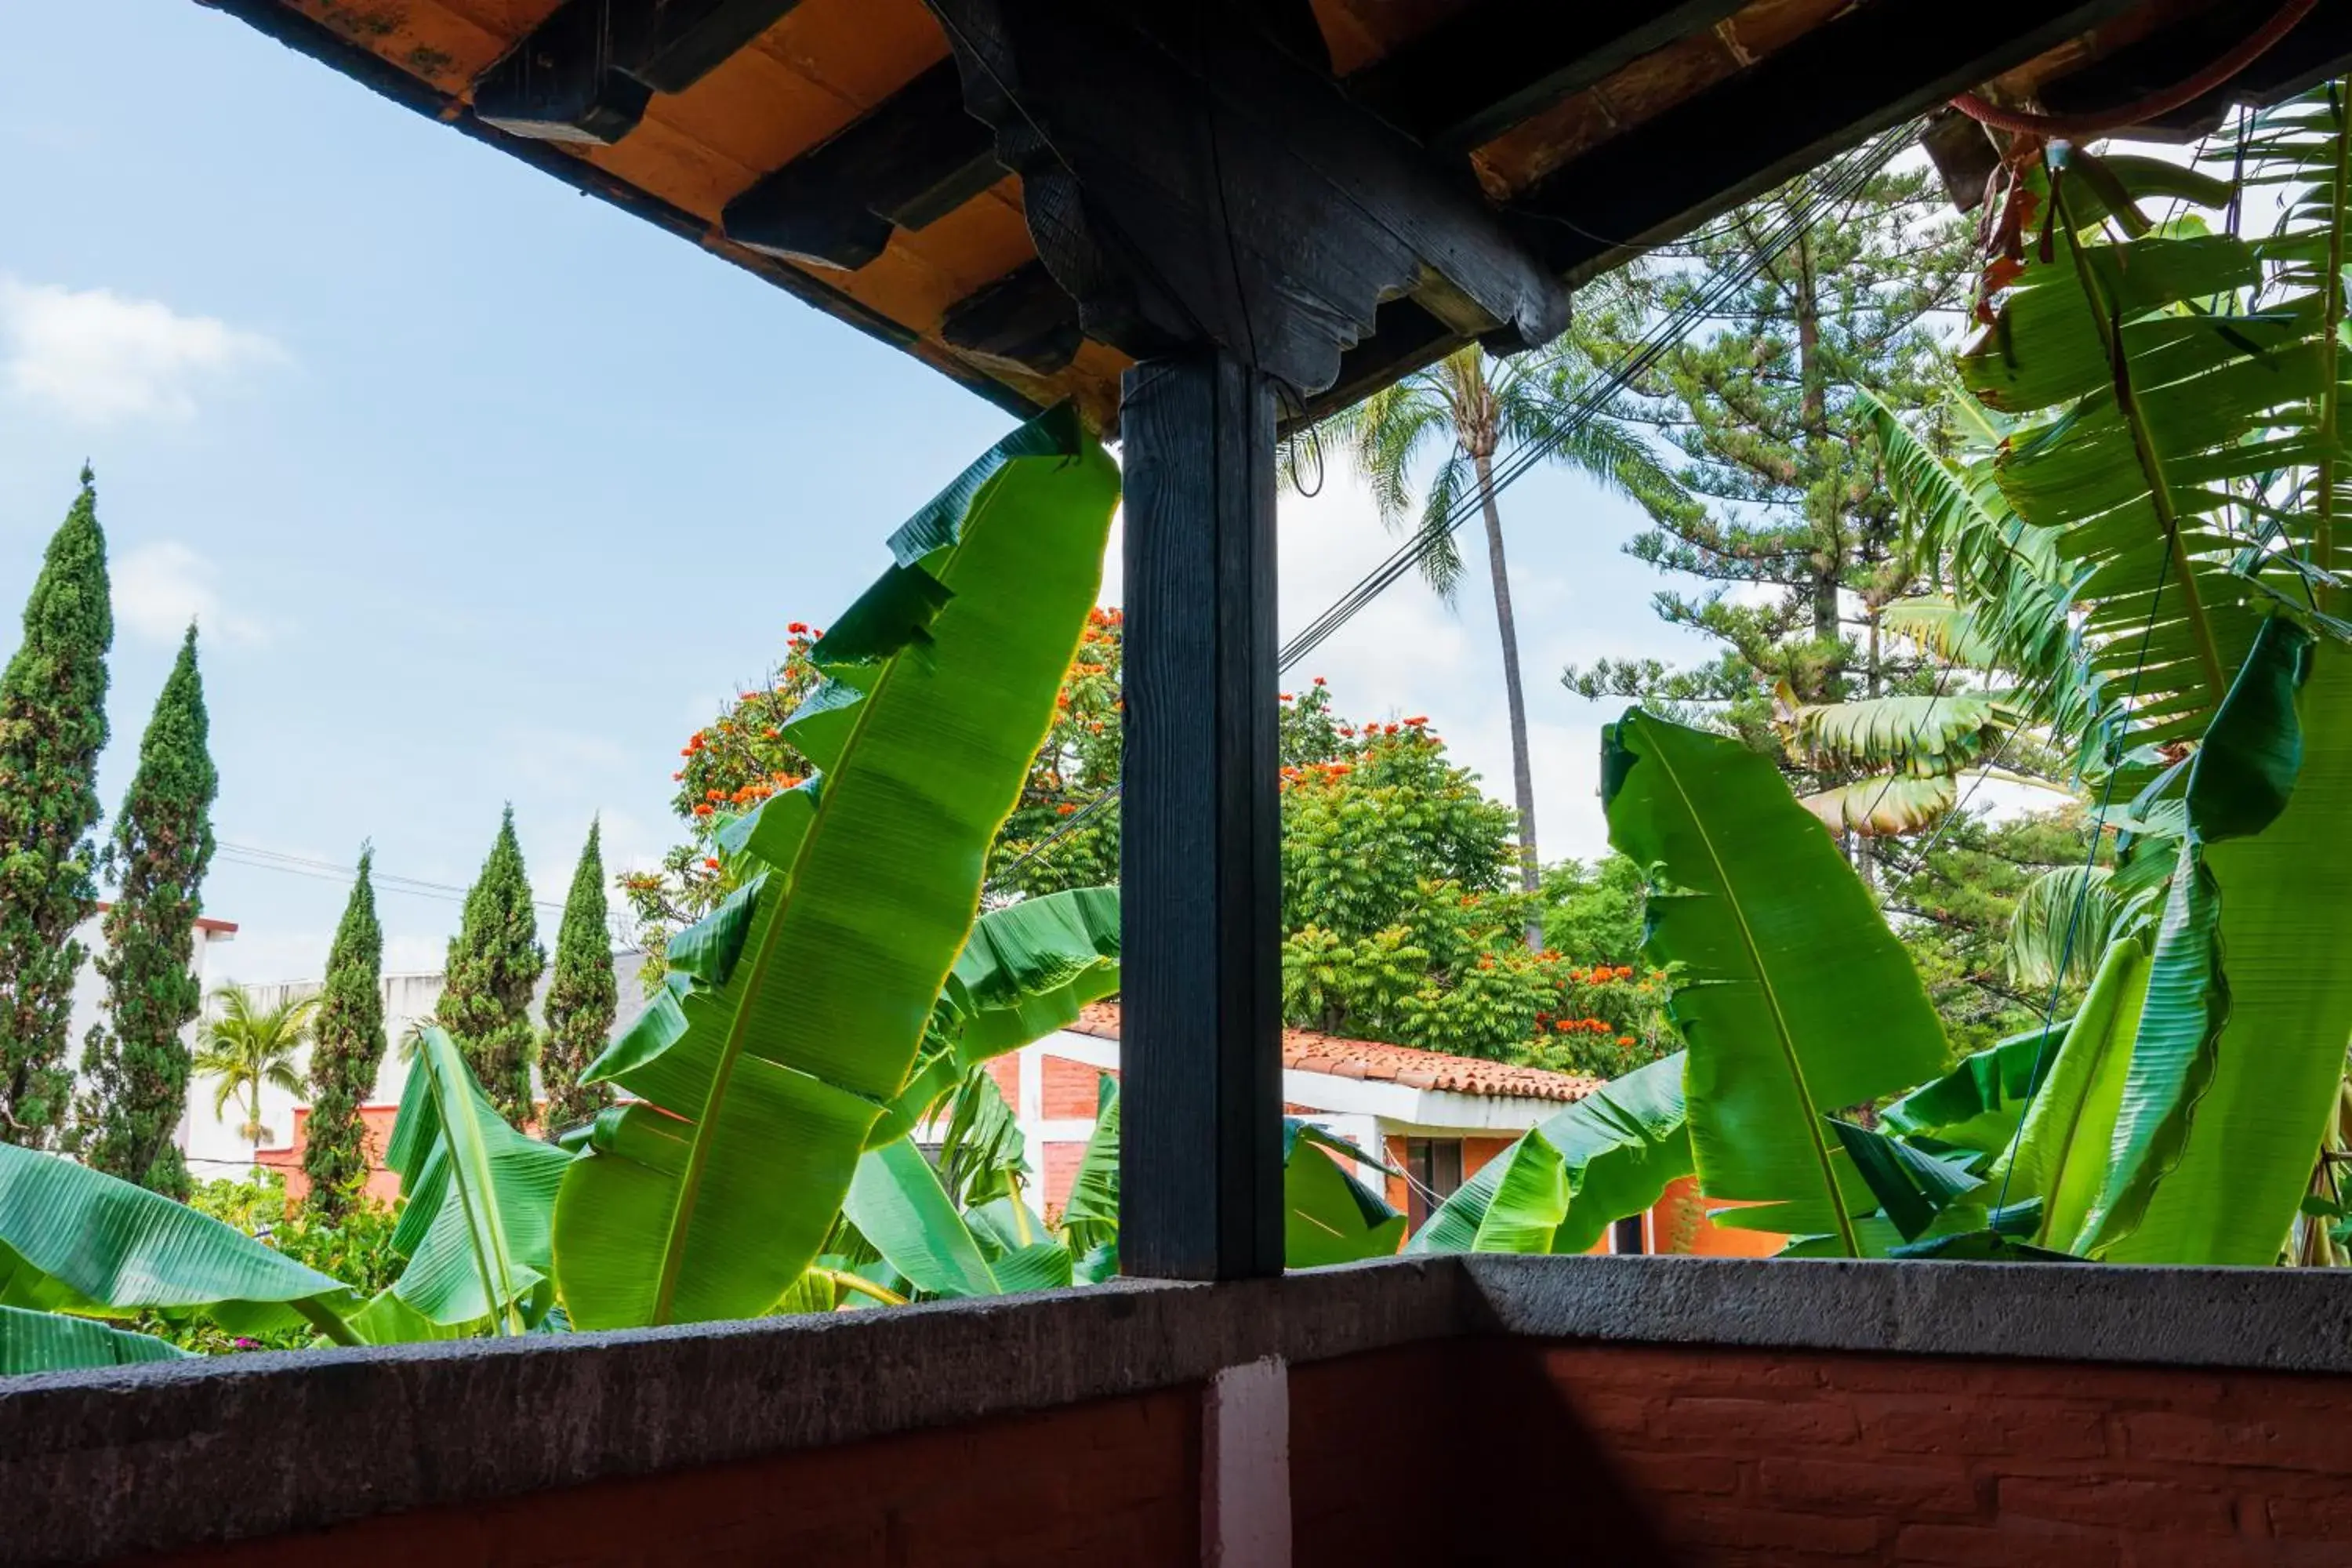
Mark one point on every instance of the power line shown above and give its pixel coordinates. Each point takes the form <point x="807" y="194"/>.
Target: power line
<point x="254" y="857"/>
<point x="1845" y="181"/>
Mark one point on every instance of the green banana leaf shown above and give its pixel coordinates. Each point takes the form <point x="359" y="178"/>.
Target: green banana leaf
<point x="1793" y="997"/>
<point x="1090" y="1217"/>
<point x="2061" y="1151"/>
<point x="1559" y="1188"/>
<point x="1029" y="967"/>
<point x="34" y="1342"/>
<point x="2242" y="1043"/>
<point x="796" y="1011"/>
<point x="481" y="1200"/>
<point x="1978" y="1103"/>
<point x="73" y="1240"/>
<point x="898" y="1204"/>
<point x="1913" y="1186"/>
<point x="1027" y="970"/>
<point x="1329" y="1216"/>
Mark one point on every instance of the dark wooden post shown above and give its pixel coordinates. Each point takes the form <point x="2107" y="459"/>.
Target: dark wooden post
<point x="1201" y="901"/>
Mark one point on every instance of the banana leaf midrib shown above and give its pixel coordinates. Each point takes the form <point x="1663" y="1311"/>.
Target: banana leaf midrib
<point x="1782" y="1036"/>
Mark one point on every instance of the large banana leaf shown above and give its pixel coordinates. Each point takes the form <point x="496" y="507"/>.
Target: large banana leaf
<point x="1560" y="1187"/>
<point x="2061" y="1151"/>
<point x="50" y="1341"/>
<point x="73" y="1240"/>
<point x="1029" y="967"/>
<point x="2159" y="392"/>
<point x="1925" y="736"/>
<point x="1090" y="1217"/>
<point x="898" y="1204"/>
<point x="1329" y="1216"/>
<point x="482" y="1197"/>
<point x="2242" y="1042"/>
<point x="1978" y="1103"/>
<point x="1794" y="998"/>
<point x="798" y="1009"/>
<point x="1876" y="807"/>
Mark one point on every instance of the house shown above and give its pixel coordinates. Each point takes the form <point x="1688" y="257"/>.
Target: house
<point x="89" y="1007"/>
<point x="1436" y="1120"/>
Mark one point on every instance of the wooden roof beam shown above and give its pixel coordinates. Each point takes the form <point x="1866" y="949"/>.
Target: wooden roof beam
<point x="587" y="72"/>
<point x="1191" y="185"/>
<point x="910" y="161"/>
<point x="1489" y="68"/>
<point x="1021" y="321"/>
<point x="1871" y="69"/>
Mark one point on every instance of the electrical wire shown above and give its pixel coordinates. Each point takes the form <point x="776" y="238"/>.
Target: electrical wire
<point x="1845" y="181"/>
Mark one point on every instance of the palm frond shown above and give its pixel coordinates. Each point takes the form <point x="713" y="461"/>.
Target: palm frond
<point x="1924" y="736"/>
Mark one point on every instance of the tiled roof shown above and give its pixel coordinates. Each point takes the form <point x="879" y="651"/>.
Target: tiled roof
<point x="1309" y="1050"/>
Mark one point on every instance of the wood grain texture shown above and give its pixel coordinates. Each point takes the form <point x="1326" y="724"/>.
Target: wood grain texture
<point x="1200" y="1159"/>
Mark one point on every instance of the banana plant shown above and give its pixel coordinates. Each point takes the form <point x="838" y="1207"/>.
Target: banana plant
<point x="51" y="1341"/>
<point x="479" y="1196"/>
<point x="796" y="1011"/>
<point x="1559" y="1188"/>
<point x="75" y="1241"/>
<point x="1794" y="999"/>
<point x="2241" y="1043"/>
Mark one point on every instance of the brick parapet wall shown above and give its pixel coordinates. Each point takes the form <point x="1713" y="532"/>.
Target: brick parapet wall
<point x="1708" y="1458"/>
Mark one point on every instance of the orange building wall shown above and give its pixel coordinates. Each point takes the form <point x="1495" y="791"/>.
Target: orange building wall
<point x="376" y="1120"/>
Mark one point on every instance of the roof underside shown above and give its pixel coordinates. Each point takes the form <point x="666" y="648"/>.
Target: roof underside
<point x="834" y="128"/>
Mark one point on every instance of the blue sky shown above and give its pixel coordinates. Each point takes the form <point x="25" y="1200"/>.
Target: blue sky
<point x="484" y="491"/>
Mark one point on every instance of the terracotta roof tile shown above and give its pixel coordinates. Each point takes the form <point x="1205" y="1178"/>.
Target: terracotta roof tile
<point x="1308" y="1050"/>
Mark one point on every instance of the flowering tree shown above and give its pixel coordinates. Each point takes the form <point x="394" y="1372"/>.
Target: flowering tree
<point x="1401" y="910"/>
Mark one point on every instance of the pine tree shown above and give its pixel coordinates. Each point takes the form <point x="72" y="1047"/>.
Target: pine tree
<point x="495" y="961"/>
<point x="1794" y="525"/>
<point x="136" y="1061"/>
<point x="581" y="998"/>
<point x="347" y="1048"/>
<point x="52" y="727"/>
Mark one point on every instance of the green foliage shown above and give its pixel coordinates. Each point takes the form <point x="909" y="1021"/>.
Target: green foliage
<point x="1401" y="922"/>
<point x="477" y="1201"/>
<point x="1610" y="1155"/>
<point x="74" y="1240"/>
<point x="581" y="999"/>
<point x="495" y="961"/>
<point x="245" y="1048"/>
<point x="52" y="728"/>
<point x="1794" y="999"/>
<point x="136" y="1062"/>
<point x="797" y="1011"/>
<point x="346" y="1050"/>
<point x="355" y="1247"/>
<point x="1594" y="912"/>
<point x="1782" y="488"/>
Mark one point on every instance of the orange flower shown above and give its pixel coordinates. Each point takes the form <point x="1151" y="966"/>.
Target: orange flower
<point x="797" y="626"/>
<point x="1286" y="697"/>
<point x="674" y="777"/>
<point x="1335" y="769"/>
<point x="1562" y="1026"/>
<point x="702" y="811"/>
<point x="1418" y="720"/>
<point x="710" y="862"/>
<point x="1066" y="809"/>
<point x="714" y="795"/>
<point x="1624" y="1039"/>
<point x="1320" y="682"/>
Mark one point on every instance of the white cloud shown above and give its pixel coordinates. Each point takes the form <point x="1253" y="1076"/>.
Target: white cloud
<point x="159" y="587"/>
<point x="97" y="357"/>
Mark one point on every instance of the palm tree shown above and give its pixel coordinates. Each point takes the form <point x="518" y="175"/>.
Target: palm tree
<point x="1477" y="404"/>
<point x="247" y="1047"/>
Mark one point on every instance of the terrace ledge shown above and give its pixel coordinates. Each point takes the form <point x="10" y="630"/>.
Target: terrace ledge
<point x="96" y="1465"/>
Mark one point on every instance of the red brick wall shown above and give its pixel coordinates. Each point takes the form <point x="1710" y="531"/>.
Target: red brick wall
<point x="375" y="1121"/>
<point x="1069" y="1089"/>
<point x="1709" y="1457"/>
<point x="1114" y="1482"/>
<point x="1006" y="1071"/>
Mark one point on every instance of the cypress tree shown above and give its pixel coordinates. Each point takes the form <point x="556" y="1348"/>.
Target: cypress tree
<point x="494" y="963"/>
<point x="136" y="1062"/>
<point x="52" y="727"/>
<point x="581" y="998"/>
<point x="347" y="1047"/>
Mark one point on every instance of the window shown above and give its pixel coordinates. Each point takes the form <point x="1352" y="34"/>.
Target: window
<point x="1433" y="1168"/>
